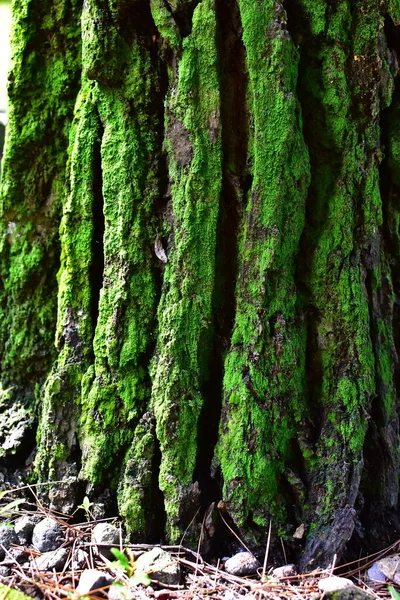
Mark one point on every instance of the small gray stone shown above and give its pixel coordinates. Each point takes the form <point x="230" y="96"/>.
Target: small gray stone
<point x="375" y="574"/>
<point x="120" y="592"/>
<point x="5" y="571"/>
<point x="285" y="571"/>
<point x="7" y="537"/>
<point x="19" y="555"/>
<point x="24" y="528"/>
<point x="390" y="567"/>
<point x="47" y="535"/>
<point x="229" y="595"/>
<point x="242" y="564"/>
<point x="91" y="579"/>
<point x="334" y="584"/>
<point x="52" y="560"/>
<point x="79" y="559"/>
<point x="160" y="566"/>
<point x="349" y="593"/>
<point x="107" y="534"/>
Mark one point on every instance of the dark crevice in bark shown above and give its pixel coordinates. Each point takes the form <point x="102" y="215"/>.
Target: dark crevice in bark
<point x="235" y="122"/>
<point x="315" y="213"/>
<point x="162" y="220"/>
<point x="379" y="484"/>
<point x="296" y="21"/>
<point x="392" y="35"/>
<point x="373" y="451"/>
<point x="162" y="207"/>
<point x="97" y="263"/>
<point x="297" y="485"/>
<point x="134" y="19"/>
<point x="184" y="16"/>
<point x="19" y="460"/>
<point x="156" y="511"/>
<point x="390" y="194"/>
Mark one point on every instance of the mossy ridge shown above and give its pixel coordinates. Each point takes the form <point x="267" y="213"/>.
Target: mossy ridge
<point x="126" y="326"/>
<point x="166" y="26"/>
<point x="343" y="232"/>
<point x="106" y="327"/>
<point x="43" y="85"/>
<point x="193" y="143"/>
<point x="57" y="433"/>
<point x="138" y="494"/>
<point x="264" y="382"/>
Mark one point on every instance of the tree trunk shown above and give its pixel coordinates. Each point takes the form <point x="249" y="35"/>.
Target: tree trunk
<point x="200" y="207"/>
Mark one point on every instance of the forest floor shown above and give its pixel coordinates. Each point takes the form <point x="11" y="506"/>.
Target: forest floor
<point x="26" y="569"/>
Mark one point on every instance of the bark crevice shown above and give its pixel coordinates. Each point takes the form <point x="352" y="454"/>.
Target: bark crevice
<point x="235" y="184"/>
<point x="97" y="246"/>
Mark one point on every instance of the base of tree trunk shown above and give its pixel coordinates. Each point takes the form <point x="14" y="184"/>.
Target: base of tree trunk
<point x="199" y="267"/>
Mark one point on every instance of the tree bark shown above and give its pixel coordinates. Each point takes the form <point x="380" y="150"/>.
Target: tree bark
<point x="200" y="208"/>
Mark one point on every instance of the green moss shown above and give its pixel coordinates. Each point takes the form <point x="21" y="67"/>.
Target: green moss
<point x="11" y="594"/>
<point x="42" y="90"/>
<point x="127" y="303"/>
<point x="185" y="309"/>
<point x="314" y="11"/>
<point x="264" y="370"/>
<point x="166" y="25"/>
<point x="57" y="427"/>
<point x="346" y="274"/>
<point x="106" y="321"/>
<point x="139" y="481"/>
<point x="394" y="143"/>
<point x="104" y="51"/>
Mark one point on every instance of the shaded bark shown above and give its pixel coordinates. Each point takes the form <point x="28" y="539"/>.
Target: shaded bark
<point x="210" y="189"/>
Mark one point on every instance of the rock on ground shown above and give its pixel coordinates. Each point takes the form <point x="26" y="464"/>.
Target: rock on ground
<point x="5" y="571"/>
<point x="47" y="535"/>
<point x="390" y="567"/>
<point x="242" y="564"/>
<point x="52" y="560"/>
<point x="159" y="565"/>
<point x="340" y="588"/>
<point x="375" y="574"/>
<point x="91" y="579"/>
<point x="79" y="559"/>
<point x="285" y="571"/>
<point x="7" y="537"/>
<point x="104" y="535"/>
<point x="24" y="528"/>
<point x="334" y="584"/>
<point x="350" y="593"/>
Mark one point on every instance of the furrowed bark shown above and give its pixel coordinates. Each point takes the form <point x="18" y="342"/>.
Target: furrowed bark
<point x="42" y="92"/>
<point x="264" y="395"/>
<point x="343" y="93"/>
<point x="205" y="193"/>
<point x="107" y="314"/>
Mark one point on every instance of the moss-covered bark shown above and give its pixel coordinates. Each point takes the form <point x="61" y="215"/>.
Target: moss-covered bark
<point x="210" y="189"/>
